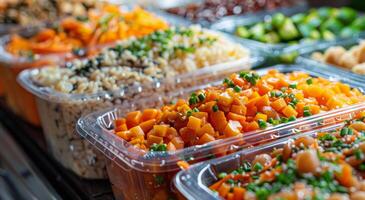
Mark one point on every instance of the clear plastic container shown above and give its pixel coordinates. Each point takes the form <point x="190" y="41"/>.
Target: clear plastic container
<point x="59" y="112"/>
<point x="135" y="174"/>
<point x="19" y="100"/>
<point x="306" y="58"/>
<point x="283" y="51"/>
<point x="194" y="183"/>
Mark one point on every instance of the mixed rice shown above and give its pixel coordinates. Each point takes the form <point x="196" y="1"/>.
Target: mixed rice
<point x="139" y="61"/>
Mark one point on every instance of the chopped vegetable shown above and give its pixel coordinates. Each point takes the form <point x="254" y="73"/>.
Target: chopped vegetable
<point x="328" y="165"/>
<point x="220" y="111"/>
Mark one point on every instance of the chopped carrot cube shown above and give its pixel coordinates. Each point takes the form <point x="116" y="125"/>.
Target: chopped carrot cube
<point x="278" y="104"/>
<point x="206" y="138"/>
<point x="289" y="111"/>
<point x="260" y="116"/>
<point x="149" y="114"/>
<point x="194" y="123"/>
<point x="133" y="118"/>
<point x="160" y="130"/>
<point x="147" y="125"/>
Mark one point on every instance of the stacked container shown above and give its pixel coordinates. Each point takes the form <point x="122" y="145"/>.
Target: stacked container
<point x="194" y="183"/>
<point x="135" y="174"/>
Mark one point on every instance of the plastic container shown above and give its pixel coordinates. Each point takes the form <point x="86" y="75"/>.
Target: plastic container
<point x="19" y="100"/>
<point x="194" y="183"/>
<point x="282" y="52"/>
<point x="135" y="174"/>
<point x="59" y="112"/>
<point x="346" y="43"/>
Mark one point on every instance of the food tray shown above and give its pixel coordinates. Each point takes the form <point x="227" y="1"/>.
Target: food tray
<point x="22" y="102"/>
<point x="346" y="43"/>
<point x="229" y="25"/>
<point x="59" y="112"/>
<point x="136" y="175"/>
<point x="194" y="182"/>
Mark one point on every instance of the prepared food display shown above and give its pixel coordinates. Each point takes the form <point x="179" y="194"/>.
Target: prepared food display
<point x="130" y="70"/>
<point x="149" y="145"/>
<point x="25" y="13"/>
<point x="96" y="28"/>
<point x="352" y="59"/>
<point x="317" y="24"/>
<point x="210" y="10"/>
<point x="73" y="37"/>
<point x="244" y="102"/>
<point x="325" y="165"/>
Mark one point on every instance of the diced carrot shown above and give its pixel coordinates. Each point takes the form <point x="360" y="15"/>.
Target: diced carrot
<point x="171" y="133"/>
<point x="239" y="109"/>
<point x="345" y="177"/>
<point x="252" y="102"/>
<point x="238" y="81"/>
<point x="264" y="87"/>
<point x="171" y="147"/>
<point x="236" y="117"/>
<point x="149" y="114"/>
<point x="233" y="128"/>
<point x="119" y="122"/>
<point x="133" y="118"/>
<point x="224" y="189"/>
<point x="123" y="134"/>
<point x="260" y="116"/>
<point x="136" y="132"/>
<point x="314" y="91"/>
<point x="230" y="196"/>
<point x="251" y="126"/>
<point x="152" y="139"/>
<point x="201" y="115"/>
<point x="218" y="120"/>
<point x="206" y="138"/>
<point x="333" y="103"/>
<point x="194" y="123"/>
<point x="187" y="135"/>
<point x="225" y="99"/>
<point x="263" y="101"/>
<point x="278" y="104"/>
<point x="207" y="128"/>
<point x="217" y="184"/>
<point x="147" y="125"/>
<point x="314" y="109"/>
<point x="183" y="164"/>
<point x="122" y="127"/>
<point x="178" y="142"/>
<point x="160" y="130"/>
<point x="251" y="112"/>
<point x="289" y="111"/>
<point x="238" y="193"/>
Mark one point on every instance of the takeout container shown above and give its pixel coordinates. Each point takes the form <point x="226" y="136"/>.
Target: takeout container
<point x="136" y="174"/>
<point x="347" y="44"/>
<point x="194" y="183"/>
<point x="59" y="112"/>
<point x="17" y="99"/>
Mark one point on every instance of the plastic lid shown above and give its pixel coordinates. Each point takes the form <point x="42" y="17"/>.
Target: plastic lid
<point x="98" y="129"/>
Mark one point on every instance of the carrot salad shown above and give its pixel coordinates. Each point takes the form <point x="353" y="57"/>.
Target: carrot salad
<point x="98" y="27"/>
<point x="328" y="165"/>
<point x="243" y="102"/>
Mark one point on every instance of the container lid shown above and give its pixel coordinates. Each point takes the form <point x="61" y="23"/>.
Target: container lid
<point x="98" y="129"/>
<point x="194" y="182"/>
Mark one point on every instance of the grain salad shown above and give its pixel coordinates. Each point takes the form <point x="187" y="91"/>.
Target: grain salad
<point x="131" y="70"/>
<point x="162" y="54"/>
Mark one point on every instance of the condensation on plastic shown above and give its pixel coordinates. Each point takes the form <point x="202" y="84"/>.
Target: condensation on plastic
<point x="230" y="23"/>
<point x="132" y="171"/>
<point x="346" y="43"/>
<point x="194" y="182"/>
